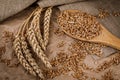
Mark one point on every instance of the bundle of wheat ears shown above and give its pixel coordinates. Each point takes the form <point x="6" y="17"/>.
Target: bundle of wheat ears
<point x="29" y="35"/>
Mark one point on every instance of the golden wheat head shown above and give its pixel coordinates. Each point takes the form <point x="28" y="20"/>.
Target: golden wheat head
<point x="36" y="26"/>
<point x="46" y="25"/>
<point x="37" y="49"/>
<point x="18" y="51"/>
<point x="30" y="59"/>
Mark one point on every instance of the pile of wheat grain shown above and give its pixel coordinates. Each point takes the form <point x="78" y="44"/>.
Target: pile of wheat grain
<point x="79" y="24"/>
<point x="64" y="62"/>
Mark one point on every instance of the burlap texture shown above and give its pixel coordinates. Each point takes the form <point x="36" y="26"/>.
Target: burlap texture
<point x="47" y="3"/>
<point x="11" y="7"/>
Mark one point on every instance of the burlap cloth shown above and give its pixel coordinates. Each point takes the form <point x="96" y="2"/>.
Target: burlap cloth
<point x="10" y="69"/>
<point x="11" y="7"/>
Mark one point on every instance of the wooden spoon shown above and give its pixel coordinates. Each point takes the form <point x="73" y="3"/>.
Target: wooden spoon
<point x="104" y="37"/>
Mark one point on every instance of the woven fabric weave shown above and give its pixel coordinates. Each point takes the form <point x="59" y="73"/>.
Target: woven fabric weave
<point x="47" y="3"/>
<point x="11" y="7"/>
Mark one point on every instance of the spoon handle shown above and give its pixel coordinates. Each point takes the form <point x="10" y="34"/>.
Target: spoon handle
<point x="108" y="38"/>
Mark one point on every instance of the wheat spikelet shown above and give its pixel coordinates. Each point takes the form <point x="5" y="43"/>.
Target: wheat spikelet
<point x="36" y="26"/>
<point x="29" y="58"/>
<point x="18" y="51"/>
<point x="46" y="25"/>
<point x="37" y="49"/>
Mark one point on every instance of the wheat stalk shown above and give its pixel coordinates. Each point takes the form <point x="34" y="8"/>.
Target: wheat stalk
<point x="37" y="49"/>
<point x="30" y="59"/>
<point x="26" y="51"/>
<point x="18" y="49"/>
<point x="46" y="25"/>
<point x="36" y="26"/>
<point x="36" y="41"/>
<point x="21" y="58"/>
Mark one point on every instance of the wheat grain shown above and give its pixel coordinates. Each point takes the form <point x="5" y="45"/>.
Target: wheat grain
<point x="116" y="13"/>
<point x="114" y="60"/>
<point x="30" y="59"/>
<point x="37" y="49"/>
<point x="108" y="76"/>
<point x="103" y="13"/>
<point x="61" y="44"/>
<point x="58" y="32"/>
<point x="21" y="58"/>
<point x="46" y="25"/>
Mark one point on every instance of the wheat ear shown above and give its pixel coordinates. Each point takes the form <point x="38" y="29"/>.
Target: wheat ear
<point x="18" y="51"/>
<point x="37" y="49"/>
<point x="36" y="26"/>
<point x="30" y="59"/>
<point x="27" y="53"/>
<point x="47" y="24"/>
